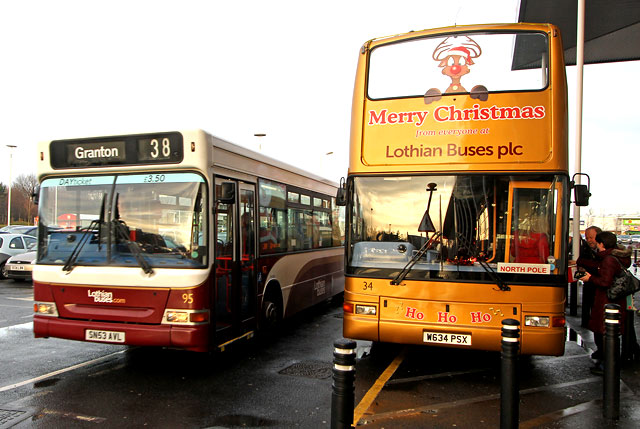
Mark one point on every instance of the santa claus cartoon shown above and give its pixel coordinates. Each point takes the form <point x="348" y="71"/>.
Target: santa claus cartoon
<point x="455" y="55"/>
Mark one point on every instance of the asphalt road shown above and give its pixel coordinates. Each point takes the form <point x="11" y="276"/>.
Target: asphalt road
<point x="285" y="382"/>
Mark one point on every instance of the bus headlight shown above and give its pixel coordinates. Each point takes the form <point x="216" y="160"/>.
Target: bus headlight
<point x="45" y="309"/>
<point x="368" y="310"/>
<point x="539" y="321"/>
<point x="185" y="317"/>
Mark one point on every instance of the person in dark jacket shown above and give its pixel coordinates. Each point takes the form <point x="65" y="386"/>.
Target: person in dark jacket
<point x="588" y="261"/>
<point x="611" y="259"/>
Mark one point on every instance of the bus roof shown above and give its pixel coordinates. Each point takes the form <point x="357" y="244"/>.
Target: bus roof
<point x="199" y="156"/>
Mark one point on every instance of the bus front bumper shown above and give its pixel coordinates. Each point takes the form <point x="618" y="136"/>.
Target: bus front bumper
<point x="195" y="338"/>
<point x="533" y="341"/>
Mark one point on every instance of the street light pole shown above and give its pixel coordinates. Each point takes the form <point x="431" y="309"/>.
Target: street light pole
<point x="11" y="147"/>
<point x="260" y="144"/>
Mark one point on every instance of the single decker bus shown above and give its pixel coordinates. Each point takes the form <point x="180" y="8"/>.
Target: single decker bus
<point x="457" y="197"/>
<point x="178" y="239"/>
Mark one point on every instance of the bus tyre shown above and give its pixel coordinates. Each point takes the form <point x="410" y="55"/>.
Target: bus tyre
<point x="271" y="315"/>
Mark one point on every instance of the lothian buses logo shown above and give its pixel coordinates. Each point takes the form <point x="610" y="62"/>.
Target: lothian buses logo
<point x="104" y="297"/>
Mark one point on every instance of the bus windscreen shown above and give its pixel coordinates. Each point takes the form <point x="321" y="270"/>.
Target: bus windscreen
<point x="109" y="219"/>
<point x="473" y="63"/>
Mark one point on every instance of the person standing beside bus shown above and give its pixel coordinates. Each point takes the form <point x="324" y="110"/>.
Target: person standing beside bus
<point x="588" y="261"/>
<point x="611" y="261"/>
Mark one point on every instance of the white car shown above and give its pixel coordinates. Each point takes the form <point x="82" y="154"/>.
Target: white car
<point x="20" y="267"/>
<point x="14" y="244"/>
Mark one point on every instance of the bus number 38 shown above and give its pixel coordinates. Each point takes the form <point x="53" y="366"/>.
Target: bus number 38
<point x="155" y="145"/>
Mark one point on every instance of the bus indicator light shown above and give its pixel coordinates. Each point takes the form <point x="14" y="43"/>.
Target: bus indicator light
<point x="347" y="307"/>
<point x="558" y="321"/>
<point x="199" y="317"/>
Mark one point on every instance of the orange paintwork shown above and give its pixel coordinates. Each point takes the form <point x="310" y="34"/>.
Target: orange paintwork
<point x="406" y="135"/>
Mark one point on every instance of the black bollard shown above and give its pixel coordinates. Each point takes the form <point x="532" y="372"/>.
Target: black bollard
<point x="573" y="298"/>
<point x="611" y="382"/>
<point x="509" y="386"/>
<point x="344" y="375"/>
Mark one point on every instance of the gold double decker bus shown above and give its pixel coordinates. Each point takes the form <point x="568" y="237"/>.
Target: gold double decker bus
<point x="458" y="190"/>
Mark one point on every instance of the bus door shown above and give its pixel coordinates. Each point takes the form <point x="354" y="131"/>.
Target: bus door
<point x="534" y="223"/>
<point x="235" y="276"/>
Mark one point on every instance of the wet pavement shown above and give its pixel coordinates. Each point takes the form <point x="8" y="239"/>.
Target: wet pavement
<point x="286" y="382"/>
<point x="432" y="388"/>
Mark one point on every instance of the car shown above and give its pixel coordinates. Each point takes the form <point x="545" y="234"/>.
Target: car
<point x="19" y="229"/>
<point x="14" y="244"/>
<point x="20" y="267"/>
<point x="624" y="239"/>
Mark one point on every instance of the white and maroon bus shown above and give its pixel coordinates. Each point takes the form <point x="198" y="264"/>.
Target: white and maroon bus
<point x="178" y="239"/>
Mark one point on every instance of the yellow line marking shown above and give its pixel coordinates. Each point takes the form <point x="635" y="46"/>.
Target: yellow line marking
<point x="373" y="392"/>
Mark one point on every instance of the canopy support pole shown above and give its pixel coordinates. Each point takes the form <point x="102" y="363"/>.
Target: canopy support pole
<point x="578" y="142"/>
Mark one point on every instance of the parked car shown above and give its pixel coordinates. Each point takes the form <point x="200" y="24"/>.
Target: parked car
<point x="624" y="239"/>
<point x="14" y="244"/>
<point x="20" y="267"/>
<point x="19" y="229"/>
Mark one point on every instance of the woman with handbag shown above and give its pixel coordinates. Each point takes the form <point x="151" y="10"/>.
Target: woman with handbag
<point x="611" y="261"/>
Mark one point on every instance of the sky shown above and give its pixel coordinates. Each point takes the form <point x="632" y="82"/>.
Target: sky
<point x="237" y="68"/>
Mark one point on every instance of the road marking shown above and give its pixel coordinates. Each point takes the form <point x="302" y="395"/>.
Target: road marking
<point x="557" y="415"/>
<point x="625" y="392"/>
<point x="435" y="408"/>
<point x="75" y="416"/>
<point x="13" y="306"/>
<point x="60" y="371"/>
<point x="373" y="392"/>
<point x="435" y="376"/>
<point x="6" y="329"/>
<point x="21" y="299"/>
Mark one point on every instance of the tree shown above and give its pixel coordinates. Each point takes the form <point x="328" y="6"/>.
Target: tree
<point x="26" y="185"/>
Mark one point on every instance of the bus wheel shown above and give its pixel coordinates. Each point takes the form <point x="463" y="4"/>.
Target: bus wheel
<point x="271" y="314"/>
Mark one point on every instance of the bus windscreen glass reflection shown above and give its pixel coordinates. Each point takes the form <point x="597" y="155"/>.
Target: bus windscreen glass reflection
<point x="158" y="216"/>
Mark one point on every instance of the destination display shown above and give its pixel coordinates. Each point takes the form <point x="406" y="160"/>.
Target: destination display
<point x="159" y="148"/>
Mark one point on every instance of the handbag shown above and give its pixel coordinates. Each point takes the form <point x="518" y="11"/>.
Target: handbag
<point x="624" y="284"/>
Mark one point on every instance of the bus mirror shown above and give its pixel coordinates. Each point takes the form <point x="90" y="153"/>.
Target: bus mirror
<point x="35" y="196"/>
<point x="581" y="192"/>
<point x="341" y="195"/>
<point x="581" y="195"/>
<point x="227" y="193"/>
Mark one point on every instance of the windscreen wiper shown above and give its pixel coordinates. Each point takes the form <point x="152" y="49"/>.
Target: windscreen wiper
<point x="426" y="225"/>
<point x="488" y="269"/>
<point x="122" y="232"/>
<point x="415" y="258"/>
<point x="86" y="236"/>
<point x="494" y="276"/>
